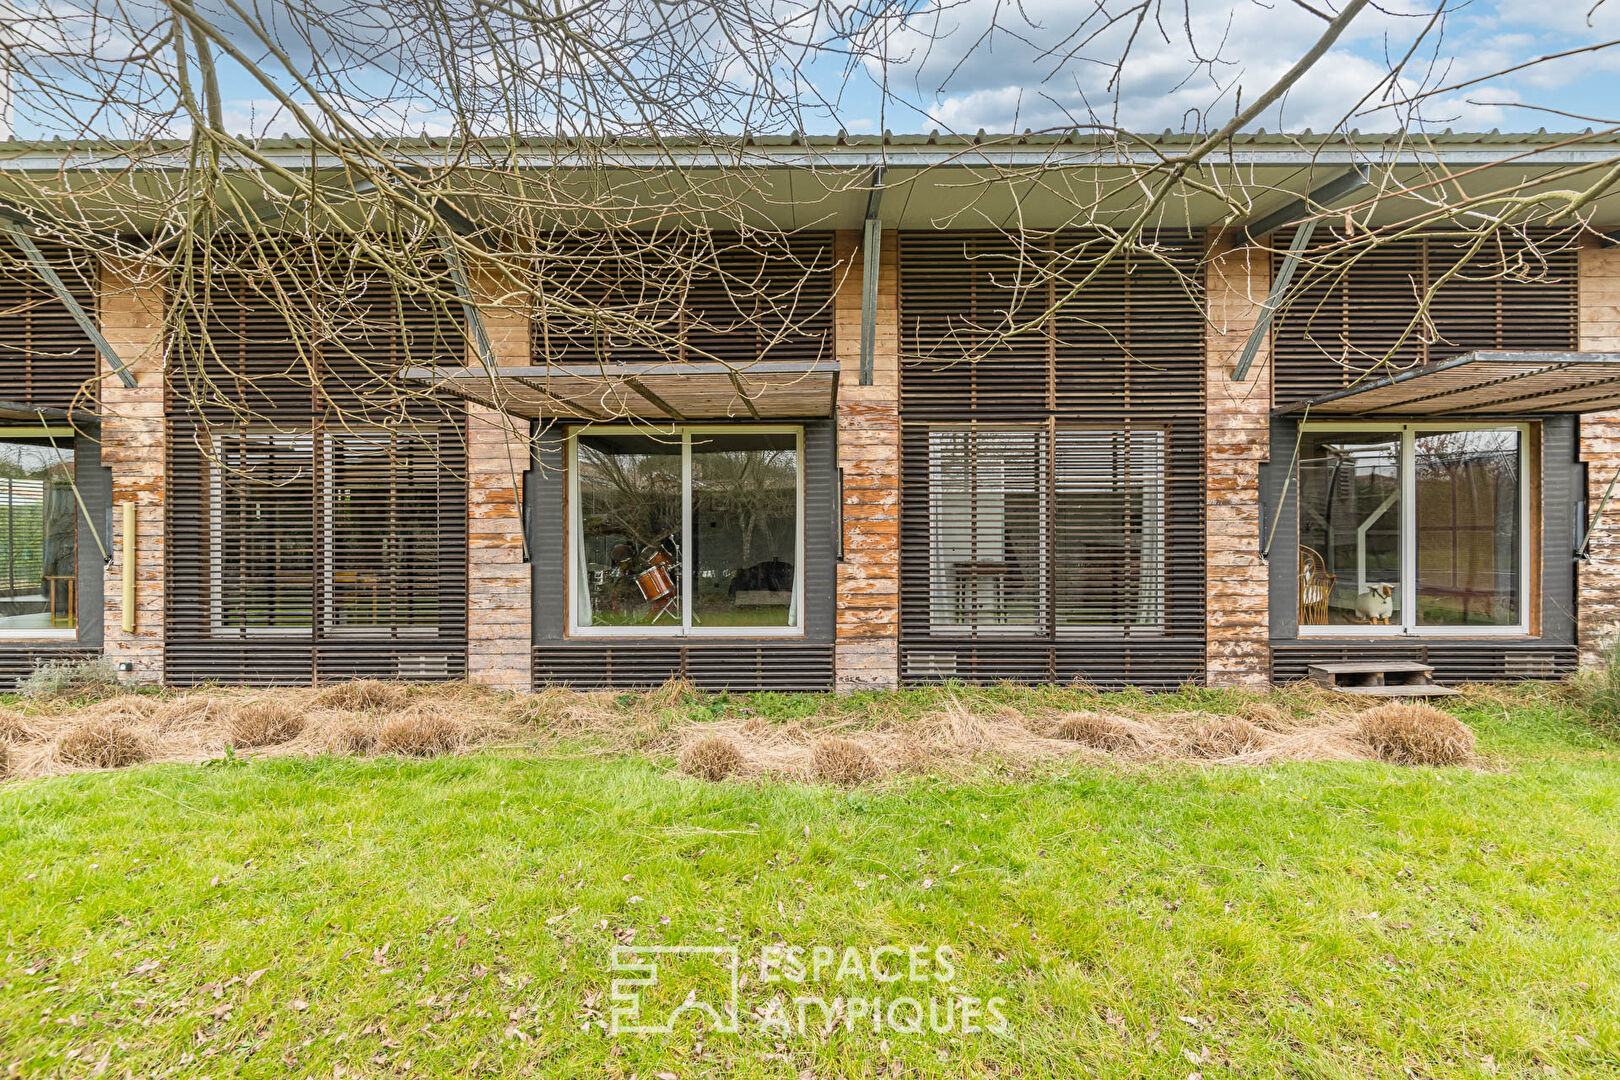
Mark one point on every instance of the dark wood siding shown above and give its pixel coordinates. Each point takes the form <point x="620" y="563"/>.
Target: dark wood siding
<point x="18" y="659"/>
<point x="685" y="296"/>
<point x="1351" y="310"/>
<point x="1092" y="422"/>
<point x="45" y="359"/>
<point x="1453" y="661"/>
<point x="317" y="510"/>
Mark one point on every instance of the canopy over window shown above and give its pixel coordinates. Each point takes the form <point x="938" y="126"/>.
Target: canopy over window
<point x="763" y="390"/>
<point x="1482" y="384"/>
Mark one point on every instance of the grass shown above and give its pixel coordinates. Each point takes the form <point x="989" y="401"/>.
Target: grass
<point x="454" y="917"/>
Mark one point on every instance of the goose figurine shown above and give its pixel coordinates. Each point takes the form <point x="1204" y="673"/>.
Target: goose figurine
<point x="1377" y="604"/>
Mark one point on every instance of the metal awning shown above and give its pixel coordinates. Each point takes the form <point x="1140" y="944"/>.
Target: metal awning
<point x="1482" y="383"/>
<point x="663" y="391"/>
<point x="14" y="412"/>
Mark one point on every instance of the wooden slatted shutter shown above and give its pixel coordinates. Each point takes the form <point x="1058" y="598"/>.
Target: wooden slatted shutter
<point x="1052" y="468"/>
<point x="46" y="360"/>
<point x="1348" y="312"/>
<point x="694" y="296"/>
<point x="318" y="504"/>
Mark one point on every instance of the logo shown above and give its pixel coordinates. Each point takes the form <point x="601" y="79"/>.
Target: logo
<point x="662" y="975"/>
<point x="800" y="992"/>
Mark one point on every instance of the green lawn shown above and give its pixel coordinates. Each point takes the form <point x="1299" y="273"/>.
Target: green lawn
<point x="454" y="917"/>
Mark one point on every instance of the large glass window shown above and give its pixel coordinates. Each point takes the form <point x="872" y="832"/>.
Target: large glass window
<point x="1046" y="530"/>
<point x="39" y="519"/>
<point x="1412" y="528"/>
<point x="690" y="530"/>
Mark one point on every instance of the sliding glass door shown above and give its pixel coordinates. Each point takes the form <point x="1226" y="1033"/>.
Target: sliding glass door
<point x="1413" y="529"/>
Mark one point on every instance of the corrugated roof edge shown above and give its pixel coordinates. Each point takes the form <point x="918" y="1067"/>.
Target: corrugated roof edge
<point x="1353" y="139"/>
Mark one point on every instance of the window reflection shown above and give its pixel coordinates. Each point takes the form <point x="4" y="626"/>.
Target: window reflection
<point x="1349" y="528"/>
<point x="628" y="530"/>
<point x="38" y="537"/>
<point x="745" y="512"/>
<point x="1469" y="532"/>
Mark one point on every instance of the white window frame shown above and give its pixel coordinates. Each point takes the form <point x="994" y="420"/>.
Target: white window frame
<point x="686" y="629"/>
<point x="70" y="633"/>
<point x="1153" y="598"/>
<point x="1408" y="625"/>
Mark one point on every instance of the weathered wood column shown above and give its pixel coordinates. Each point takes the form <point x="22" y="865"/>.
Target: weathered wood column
<point x="500" y="618"/>
<point x="868" y="605"/>
<point x="1237" y="429"/>
<point x="134" y="447"/>
<point x="1597" y="589"/>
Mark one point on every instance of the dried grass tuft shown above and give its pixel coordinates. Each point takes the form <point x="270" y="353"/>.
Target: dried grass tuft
<point x="1224" y="737"/>
<point x="14" y="728"/>
<point x="422" y="733"/>
<point x="101" y="743"/>
<point x="675" y="692"/>
<point x="711" y="758"/>
<point x="362" y="695"/>
<point x="1410" y="733"/>
<point x="1097" y="730"/>
<point x="355" y="737"/>
<point x="843" y="761"/>
<point x="264" y="723"/>
<point x="549" y="707"/>
<point x="5" y="760"/>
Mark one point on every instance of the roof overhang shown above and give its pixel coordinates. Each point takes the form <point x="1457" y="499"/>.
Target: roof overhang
<point x="1481" y="383"/>
<point x="658" y="392"/>
<point x="16" y="412"/>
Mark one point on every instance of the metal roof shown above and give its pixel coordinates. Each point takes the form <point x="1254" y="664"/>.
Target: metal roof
<point x="1481" y="383"/>
<point x="844" y="148"/>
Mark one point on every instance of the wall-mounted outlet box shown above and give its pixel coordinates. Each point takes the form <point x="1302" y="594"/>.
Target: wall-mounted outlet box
<point x="126" y="666"/>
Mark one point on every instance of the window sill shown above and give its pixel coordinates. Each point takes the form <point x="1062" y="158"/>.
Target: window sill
<point x="1336" y="635"/>
<point x="25" y="636"/>
<point x="674" y="634"/>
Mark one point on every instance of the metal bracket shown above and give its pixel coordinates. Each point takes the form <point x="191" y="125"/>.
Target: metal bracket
<point x="871" y="267"/>
<point x="1274" y="299"/>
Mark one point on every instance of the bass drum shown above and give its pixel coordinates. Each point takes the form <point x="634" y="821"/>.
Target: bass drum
<point x="655" y="584"/>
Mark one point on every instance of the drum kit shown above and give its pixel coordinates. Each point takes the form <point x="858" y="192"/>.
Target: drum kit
<point x="656" y="583"/>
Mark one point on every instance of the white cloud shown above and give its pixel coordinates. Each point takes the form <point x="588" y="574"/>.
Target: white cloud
<point x="972" y="64"/>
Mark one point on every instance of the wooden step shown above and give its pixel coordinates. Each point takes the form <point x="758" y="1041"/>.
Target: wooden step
<point x="1412" y="690"/>
<point x="1378" y="678"/>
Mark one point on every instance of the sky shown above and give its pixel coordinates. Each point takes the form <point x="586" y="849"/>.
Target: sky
<point x="1010" y="82"/>
<point x="1012" y="65"/>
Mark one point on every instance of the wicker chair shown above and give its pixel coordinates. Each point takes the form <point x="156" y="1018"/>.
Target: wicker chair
<point x="1315" y="587"/>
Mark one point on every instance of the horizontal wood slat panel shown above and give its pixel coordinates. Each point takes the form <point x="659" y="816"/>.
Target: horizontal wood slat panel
<point x="738" y="667"/>
<point x="317" y="506"/>
<point x="1346" y="312"/>
<point x="1052" y="478"/>
<point x="1499" y="661"/>
<point x="691" y="296"/>
<point x="18" y="660"/>
<point x="45" y="358"/>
